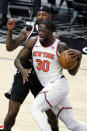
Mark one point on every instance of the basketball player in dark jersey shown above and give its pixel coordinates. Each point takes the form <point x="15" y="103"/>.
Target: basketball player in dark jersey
<point x="19" y="91"/>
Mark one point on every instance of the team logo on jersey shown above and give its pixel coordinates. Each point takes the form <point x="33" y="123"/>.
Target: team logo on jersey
<point x="43" y="54"/>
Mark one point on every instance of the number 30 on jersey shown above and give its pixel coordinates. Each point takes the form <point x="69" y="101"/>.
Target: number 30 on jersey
<point x="42" y="65"/>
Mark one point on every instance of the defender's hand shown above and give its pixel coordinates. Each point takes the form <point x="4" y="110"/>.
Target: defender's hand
<point x="11" y="24"/>
<point x="25" y="74"/>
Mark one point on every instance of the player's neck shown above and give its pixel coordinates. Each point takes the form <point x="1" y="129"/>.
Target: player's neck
<point x="48" y="42"/>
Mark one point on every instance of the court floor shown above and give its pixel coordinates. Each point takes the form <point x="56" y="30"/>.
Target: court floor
<point x="24" y="121"/>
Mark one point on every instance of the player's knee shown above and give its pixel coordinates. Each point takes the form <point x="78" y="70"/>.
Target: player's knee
<point x="13" y="108"/>
<point x="12" y="112"/>
<point x="32" y="112"/>
<point x="34" y="108"/>
<point x="71" y="125"/>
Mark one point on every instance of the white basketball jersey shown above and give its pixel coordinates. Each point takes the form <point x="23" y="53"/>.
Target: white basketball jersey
<point x="45" y="62"/>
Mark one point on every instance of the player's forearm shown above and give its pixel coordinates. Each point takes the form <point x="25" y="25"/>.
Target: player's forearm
<point x="18" y="65"/>
<point x="11" y="43"/>
<point x="76" y="68"/>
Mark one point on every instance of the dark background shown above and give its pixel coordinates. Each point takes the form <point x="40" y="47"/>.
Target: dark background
<point x="75" y="38"/>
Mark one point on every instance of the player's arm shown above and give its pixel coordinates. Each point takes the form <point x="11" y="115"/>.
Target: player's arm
<point x="22" y="56"/>
<point x="11" y="43"/>
<point x="62" y="47"/>
<point x="76" y="54"/>
<point x="73" y="54"/>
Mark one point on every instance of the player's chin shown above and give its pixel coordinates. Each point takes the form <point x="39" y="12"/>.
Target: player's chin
<point x="40" y="20"/>
<point x="41" y="39"/>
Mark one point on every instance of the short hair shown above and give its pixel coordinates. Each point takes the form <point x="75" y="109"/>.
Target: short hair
<point x="49" y="24"/>
<point x="45" y="9"/>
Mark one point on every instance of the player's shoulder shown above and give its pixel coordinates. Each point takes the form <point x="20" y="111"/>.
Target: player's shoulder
<point x="30" y="42"/>
<point x="63" y="46"/>
<point x="33" y="38"/>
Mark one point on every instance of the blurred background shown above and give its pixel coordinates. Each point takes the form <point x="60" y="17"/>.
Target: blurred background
<point x="70" y="17"/>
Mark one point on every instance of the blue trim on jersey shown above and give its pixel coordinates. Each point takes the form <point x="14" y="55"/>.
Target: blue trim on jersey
<point x="35" y="42"/>
<point x="63" y="109"/>
<point x="58" y="48"/>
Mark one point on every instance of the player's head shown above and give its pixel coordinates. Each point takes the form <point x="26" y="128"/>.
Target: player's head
<point x="43" y="13"/>
<point x="46" y="29"/>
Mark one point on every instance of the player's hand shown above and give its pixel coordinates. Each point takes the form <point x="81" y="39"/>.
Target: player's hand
<point x="11" y="24"/>
<point x="75" y="54"/>
<point x="25" y="74"/>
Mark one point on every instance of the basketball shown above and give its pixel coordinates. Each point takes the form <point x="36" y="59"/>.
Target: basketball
<point x="66" y="61"/>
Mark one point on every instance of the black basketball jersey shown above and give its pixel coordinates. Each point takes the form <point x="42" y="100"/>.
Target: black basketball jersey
<point x="27" y="64"/>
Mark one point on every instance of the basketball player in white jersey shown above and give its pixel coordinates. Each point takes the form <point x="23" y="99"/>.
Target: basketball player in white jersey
<point x="19" y="91"/>
<point x="45" y="50"/>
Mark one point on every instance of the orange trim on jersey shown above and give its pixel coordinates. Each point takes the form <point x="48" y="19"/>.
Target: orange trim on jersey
<point x="47" y="100"/>
<point x="62" y="109"/>
<point x="49" y="45"/>
<point x="57" y="51"/>
<point x="43" y="91"/>
<point x="35" y="42"/>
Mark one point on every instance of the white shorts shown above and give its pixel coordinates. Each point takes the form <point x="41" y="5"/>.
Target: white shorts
<point x="54" y="96"/>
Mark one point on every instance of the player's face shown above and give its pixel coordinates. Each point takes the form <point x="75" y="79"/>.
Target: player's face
<point x="44" y="33"/>
<point x="41" y="15"/>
